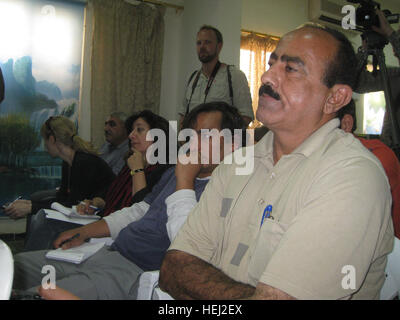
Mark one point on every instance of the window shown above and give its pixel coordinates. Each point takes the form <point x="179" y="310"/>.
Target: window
<point x="255" y="49"/>
<point x="374" y="111"/>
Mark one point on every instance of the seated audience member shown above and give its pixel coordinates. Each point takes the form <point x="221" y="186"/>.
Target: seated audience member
<point x="142" y="232"/>
<point x="117" y="144"/>
<point x="112" y="151"/>
<point x="84" y="174"/>
<point x="136" y="179"/>
<point x="348" y="123"/>
<point x="316" y="202"/>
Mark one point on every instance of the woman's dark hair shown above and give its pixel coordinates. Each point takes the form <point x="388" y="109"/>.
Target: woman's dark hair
<point x="231" y="118"/>
<point x="154" y="121"/>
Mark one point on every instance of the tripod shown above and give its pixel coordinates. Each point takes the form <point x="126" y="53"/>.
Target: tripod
<point x="376" y="43"/>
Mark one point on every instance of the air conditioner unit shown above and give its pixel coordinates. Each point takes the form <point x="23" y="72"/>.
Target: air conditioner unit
<point x="328" y="12"/>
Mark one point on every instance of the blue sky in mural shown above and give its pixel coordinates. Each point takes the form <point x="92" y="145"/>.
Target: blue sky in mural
<point x="40" y="56"/>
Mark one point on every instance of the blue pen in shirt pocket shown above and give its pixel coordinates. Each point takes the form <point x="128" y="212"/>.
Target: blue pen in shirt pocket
<point x="266" y="214"/>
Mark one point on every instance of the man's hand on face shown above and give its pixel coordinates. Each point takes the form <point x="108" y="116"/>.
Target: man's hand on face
<point x="187" y="173"/>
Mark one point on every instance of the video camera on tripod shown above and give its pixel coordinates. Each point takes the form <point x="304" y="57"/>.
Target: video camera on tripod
<point x="366" y="19"/>
<point x="366" y="16"/>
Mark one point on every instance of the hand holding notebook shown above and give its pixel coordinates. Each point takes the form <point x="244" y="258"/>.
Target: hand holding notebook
<point x="72" y="212"/>
<point x="75" y="255"/>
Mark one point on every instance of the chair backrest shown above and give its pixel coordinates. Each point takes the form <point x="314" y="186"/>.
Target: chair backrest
<point x="391" y="286"/>
<point x="6" y="271"/>
<point x="148" y="287"/>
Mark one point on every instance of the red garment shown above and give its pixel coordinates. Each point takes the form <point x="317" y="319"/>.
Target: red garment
<point x="392" y="168"/>
<point x="119" y="194"/>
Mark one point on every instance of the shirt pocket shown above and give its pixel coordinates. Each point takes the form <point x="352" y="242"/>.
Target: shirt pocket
<point x="264" y="246"/>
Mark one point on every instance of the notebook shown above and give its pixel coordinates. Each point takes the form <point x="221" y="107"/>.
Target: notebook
<point x="75" y="255"/>
<point x="71" y="212"/>
<point x="56" y="215"/>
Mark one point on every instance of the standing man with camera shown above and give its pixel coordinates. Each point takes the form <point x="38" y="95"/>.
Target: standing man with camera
<point x="216" y="81"/>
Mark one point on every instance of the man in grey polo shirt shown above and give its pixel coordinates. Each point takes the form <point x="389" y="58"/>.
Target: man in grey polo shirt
<point x="116" y="145"/>
<point x="313" y="219"/>
<point x="216" y="81"/>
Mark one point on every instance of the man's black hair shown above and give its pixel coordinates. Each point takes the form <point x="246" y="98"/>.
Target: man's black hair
<point x="342" y="69"/>
<point x="218" y="34"/>
<point x="350" y="109"/>
<point x="231" y="118"/>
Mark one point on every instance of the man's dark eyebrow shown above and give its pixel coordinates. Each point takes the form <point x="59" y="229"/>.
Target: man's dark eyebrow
<point x="296" y="60"/>
<point x="287" y="58"/>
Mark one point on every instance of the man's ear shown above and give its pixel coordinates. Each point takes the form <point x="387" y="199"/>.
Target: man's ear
<point x="339" y="96"/>
<point x="347" y="123"/>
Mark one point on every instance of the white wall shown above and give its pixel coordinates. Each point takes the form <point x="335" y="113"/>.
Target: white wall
<point x="171" y="64"/>
<point x="273" y="17"/>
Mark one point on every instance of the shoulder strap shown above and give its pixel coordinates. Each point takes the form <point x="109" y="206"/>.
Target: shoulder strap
<point x="191" y="77"/>
<point x="230" y="83"/>
<point x="193" y="87"/>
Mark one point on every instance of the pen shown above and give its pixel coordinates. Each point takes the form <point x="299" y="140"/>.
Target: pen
<point x="266" y="214"/>
<point x="70" y="239"/>
<point x="10" y="203"/>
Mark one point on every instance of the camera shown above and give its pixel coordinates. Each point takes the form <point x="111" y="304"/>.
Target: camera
<point x="366" y="16"/>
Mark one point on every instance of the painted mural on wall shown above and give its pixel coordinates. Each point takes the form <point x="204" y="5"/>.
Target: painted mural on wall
<point x="40" y="57"/>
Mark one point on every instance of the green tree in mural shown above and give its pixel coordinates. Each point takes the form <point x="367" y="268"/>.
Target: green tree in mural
<point x="69" y="111"/>
<point x="17" y="139"/>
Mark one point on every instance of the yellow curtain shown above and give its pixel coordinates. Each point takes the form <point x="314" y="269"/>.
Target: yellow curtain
<point x="125" y="61"/>
<point x="258" y="46"/>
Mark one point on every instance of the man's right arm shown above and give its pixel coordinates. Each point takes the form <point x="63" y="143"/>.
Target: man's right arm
<point x="118" y="220"/>
<point x="98" y="229"/>
<point x="185" y="276"/>
<point x="109" y="226"/>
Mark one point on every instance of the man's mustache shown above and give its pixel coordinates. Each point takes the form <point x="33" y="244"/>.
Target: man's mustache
<point x="269" y="91"/>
